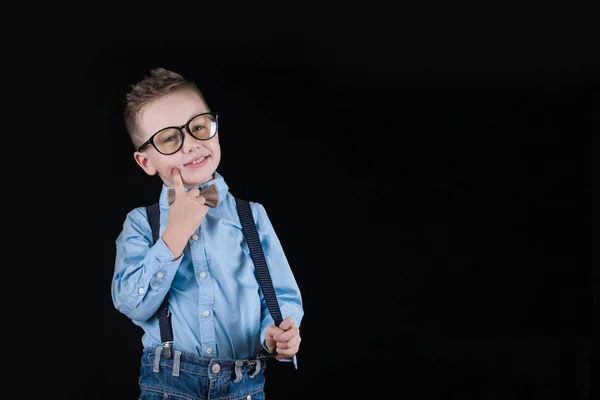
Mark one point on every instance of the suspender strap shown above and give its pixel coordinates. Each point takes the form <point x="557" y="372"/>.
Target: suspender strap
<point x="258" y="257"/>
<point x="154" y="219"/>
<point x="166" y="329"/>
<point x="163" y="313"/>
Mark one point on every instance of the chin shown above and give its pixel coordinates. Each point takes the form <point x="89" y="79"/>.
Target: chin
<point x="200" y="179"/>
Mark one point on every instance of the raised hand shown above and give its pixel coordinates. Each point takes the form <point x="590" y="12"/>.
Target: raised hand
<point x="284" y="340"/>
<point x="185" y="215"/>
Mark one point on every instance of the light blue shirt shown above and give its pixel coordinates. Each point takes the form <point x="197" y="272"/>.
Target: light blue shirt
<point x="217" y="309"/>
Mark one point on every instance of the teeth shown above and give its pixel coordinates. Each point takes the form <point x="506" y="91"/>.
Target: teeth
<point x="198" y="161"/>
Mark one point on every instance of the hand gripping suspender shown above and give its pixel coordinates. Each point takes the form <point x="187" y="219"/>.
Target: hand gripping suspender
<point x="257" y="255"/>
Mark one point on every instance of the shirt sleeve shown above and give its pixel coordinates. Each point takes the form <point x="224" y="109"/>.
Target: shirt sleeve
<point x="285" y="285"/>
<point x="143" y="270"/>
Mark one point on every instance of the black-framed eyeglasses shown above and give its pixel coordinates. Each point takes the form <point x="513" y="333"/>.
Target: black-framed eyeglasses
<point x="170" y="139"/>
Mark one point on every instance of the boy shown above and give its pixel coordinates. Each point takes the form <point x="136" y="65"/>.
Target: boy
<point x="200" y="263"/>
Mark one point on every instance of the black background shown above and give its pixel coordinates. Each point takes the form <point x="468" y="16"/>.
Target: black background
<point x="431" y="190"/>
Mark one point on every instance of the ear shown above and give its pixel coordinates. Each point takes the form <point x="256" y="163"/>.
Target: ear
<point x="144" y="162"/>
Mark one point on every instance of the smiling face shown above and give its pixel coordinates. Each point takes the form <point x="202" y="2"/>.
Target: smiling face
<point x="196" y="159"/>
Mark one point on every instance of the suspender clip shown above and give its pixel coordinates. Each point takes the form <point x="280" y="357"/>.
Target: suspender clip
<point x="167" y="350"/>
<point x="263" y="354"/>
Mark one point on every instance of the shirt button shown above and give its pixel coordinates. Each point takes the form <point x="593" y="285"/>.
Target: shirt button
<point x="216" y="368"/>
<point x="209" y="350"/>
<point x="141" y="290"/>
<point x="159" y="275"/>
<point x="195" y="237"/>
<point x="248" y="397"/>
<point x="202" y="275"/>
<point x="206" y="313"/>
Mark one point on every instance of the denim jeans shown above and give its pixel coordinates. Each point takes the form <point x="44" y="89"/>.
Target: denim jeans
<point x="189" y="377"/>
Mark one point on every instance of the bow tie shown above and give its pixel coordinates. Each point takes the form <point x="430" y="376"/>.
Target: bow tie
<point x="211" y="193"/>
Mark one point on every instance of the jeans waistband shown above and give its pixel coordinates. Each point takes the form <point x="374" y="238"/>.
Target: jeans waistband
<point x="196" y="365"/>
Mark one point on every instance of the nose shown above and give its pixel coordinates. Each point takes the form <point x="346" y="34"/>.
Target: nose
<point x="190" y="143"/>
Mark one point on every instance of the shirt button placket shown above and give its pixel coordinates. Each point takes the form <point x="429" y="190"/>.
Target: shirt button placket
<point x="206" y="325"/>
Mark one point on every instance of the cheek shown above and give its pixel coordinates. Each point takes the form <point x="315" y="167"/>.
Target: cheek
<point x="163" y="163"/>
<point x="215" y="149"/>
<point x="164" y="167"/>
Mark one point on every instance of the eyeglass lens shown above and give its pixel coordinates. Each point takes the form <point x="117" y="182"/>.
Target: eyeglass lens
<point x="169" y="140"/>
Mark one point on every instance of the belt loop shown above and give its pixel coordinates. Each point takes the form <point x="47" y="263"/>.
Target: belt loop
<point x="238" y="370"/>
<point x="157" y="354"/>
<point x="176" y="362"/>
<point x="256" y="369"/>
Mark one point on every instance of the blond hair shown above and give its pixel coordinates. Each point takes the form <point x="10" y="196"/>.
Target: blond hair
<point x="158" y="83"/>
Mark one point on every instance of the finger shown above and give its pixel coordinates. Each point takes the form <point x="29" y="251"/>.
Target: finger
<point x="177" y="182"/>
<point x="291" y="344"/>
<point x="287" y="323"/>
<point x="270" y="344"/>
<point x="195" y="192"/>
<point x="286" y="352"/>
<point x="271" y="347"/>
<point x="273" y="330"/>
<point x="201" y="199"/>
<point x="269" y="339"/>
<point x="286" y="335"/>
